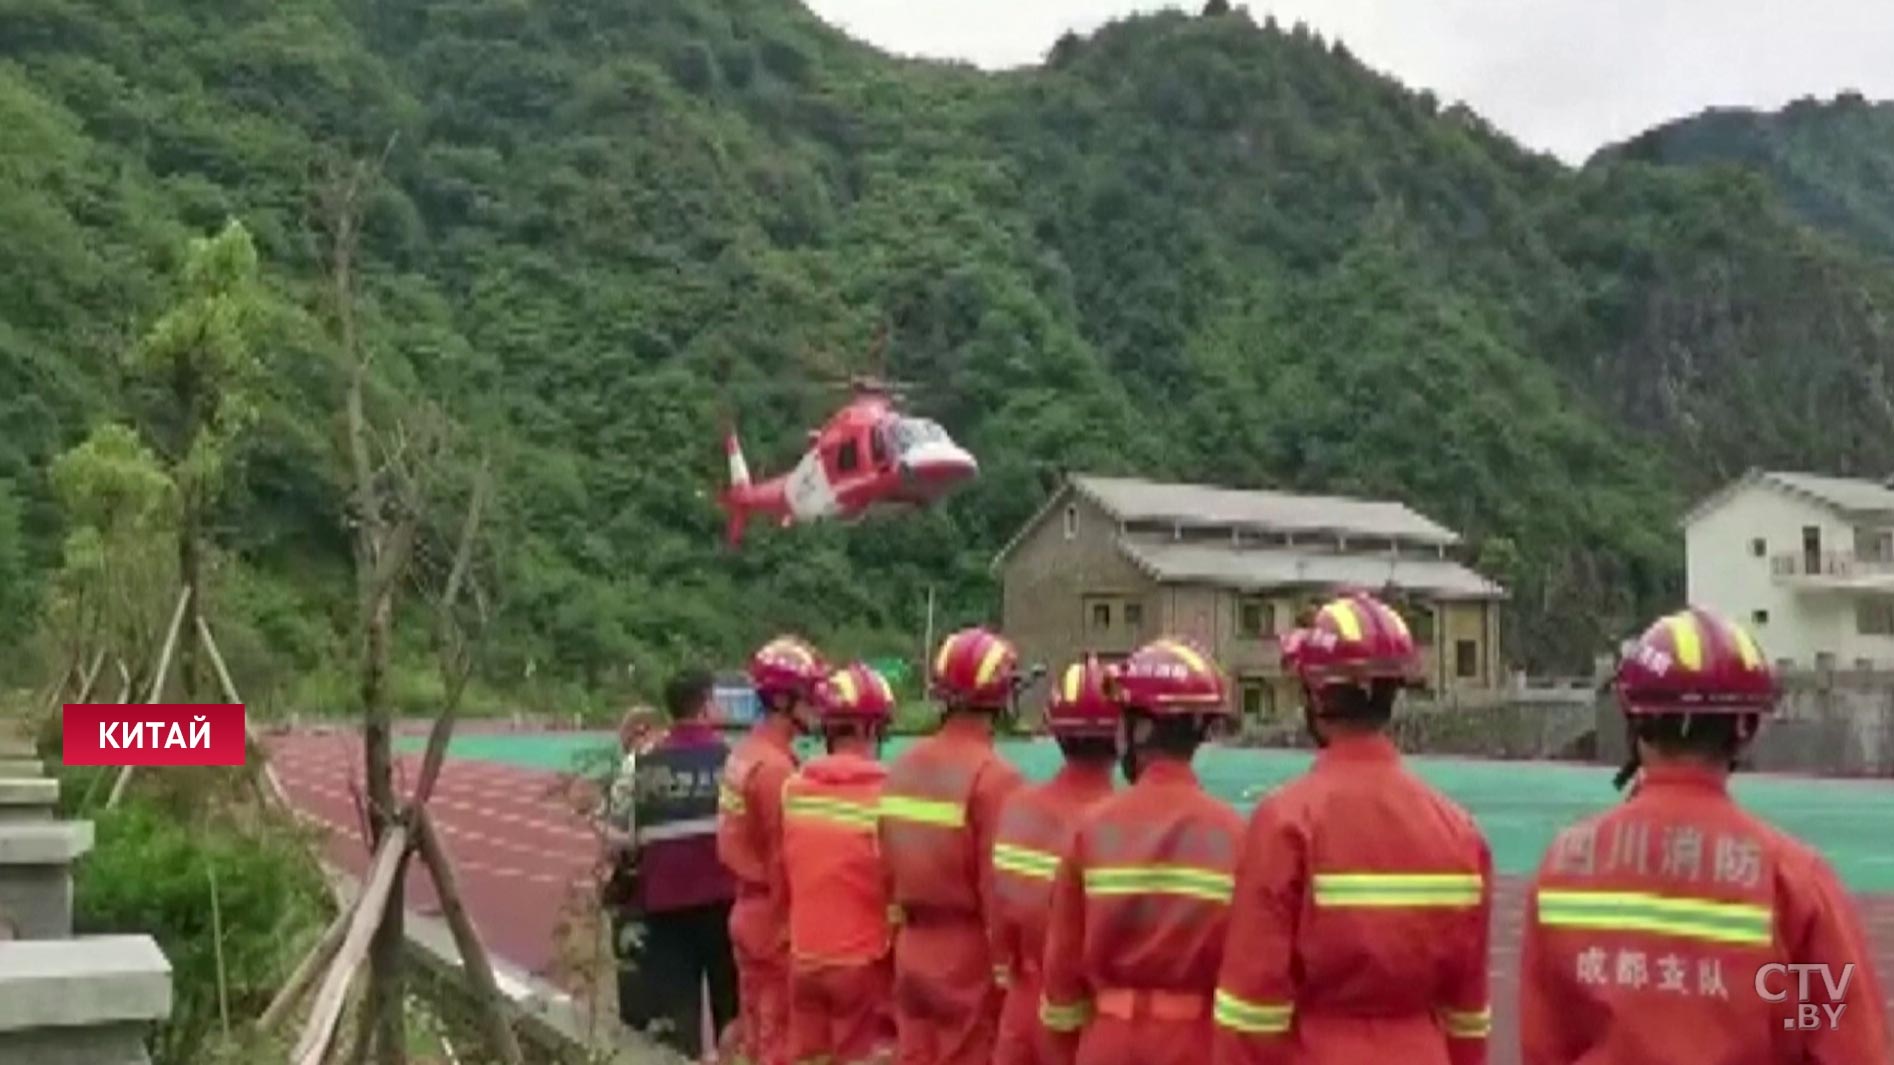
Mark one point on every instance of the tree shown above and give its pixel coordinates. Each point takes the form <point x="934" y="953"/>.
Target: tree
<point x="118" y="578"/>
<point x="14" y="604"/>
<point x="1216" y="7"/>
<point x="200" y="352"/>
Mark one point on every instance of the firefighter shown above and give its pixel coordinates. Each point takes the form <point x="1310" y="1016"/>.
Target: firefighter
<point x="1035" y="828"/>
<point x="841" y="973"/>
<point x="1141" y="898"/>
<point x="939" y="814"/>
<point x="784" y="673"/>
<point x="1359" y="930"/>
<point x="1652" y="928"/>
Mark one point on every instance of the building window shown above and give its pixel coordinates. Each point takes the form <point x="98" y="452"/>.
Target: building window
<point x="1759" y="617"/>
<point x="1758" y="548"/>
<point x="1071" y="522"/>
<point x="1101" y="617"/>
<point x="1466" y="655"/>
<point x="1134" y="616"/>
<point x="1256" y="617"/>
<point x="847" y="457"/>
<point x="1874" y="618"/>
<point x="1420" y="622"/>
<point x="1258" y="699"/>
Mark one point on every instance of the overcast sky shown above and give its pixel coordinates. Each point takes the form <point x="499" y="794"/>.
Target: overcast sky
<point x="1564" y="76"/>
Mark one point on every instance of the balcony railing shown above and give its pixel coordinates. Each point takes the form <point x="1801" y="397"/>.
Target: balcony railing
<point x="1835" y="565"/>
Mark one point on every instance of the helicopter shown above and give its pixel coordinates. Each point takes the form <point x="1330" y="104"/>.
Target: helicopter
<point x="869" y="457"/>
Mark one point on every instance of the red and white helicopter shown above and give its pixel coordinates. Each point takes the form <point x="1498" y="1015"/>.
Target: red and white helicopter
<point x="868" y="457"/>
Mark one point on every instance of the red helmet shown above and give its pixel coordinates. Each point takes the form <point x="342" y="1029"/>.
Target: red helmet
<point x="1694" y="662"/>
<point x="786" y="665"/>
<point x="1352" y="639"/>
<point x="1172" y="676"/>
<point x="1081" y="703"/>
<point x="975" y="668"/>
<point x="855" y="693"/>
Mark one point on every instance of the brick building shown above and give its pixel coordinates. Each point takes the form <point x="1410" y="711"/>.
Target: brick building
<point x="1110" y="562"/>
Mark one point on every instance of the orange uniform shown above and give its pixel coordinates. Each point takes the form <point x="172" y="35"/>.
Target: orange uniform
<point x="841" y="975"/>
<point x="1359" y="931"/>
<point x="940" y="812"/>
<point x="1140" y="906"/>
<point x="1035" y="829"/>
<point x="749" y="840"/>
<point x="1651" y="926"/>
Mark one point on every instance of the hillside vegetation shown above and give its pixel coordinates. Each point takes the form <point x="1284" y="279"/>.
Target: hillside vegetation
<point x="1833" y="161"/>
<point x="1185" y="247"/>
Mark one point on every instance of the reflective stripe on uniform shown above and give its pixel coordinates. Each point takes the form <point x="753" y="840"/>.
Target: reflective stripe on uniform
<point x="1637" y="911"/>
<point x="1468" y="1024"/>
<point x="923" y="811"/>
<point x="1186" y="880"/>
<point x="856" y="815"/>
<point x="1252" y="1018"/>
<point x="1064" y="1016"/>
<point x="1434" y="890"/>
<point x="729" y="800"/>
<point x="1025" y="861"/>
<point x="696" y="826"/>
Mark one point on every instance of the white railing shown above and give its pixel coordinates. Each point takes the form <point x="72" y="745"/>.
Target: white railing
<point x="1840" y="565"/>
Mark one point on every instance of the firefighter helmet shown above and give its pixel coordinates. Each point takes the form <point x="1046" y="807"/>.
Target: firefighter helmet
<point x="1352" y="639"/>
<point x="1081" y="704"/>
<point x="975" y="668"/>
<point x="1694" y="662"/>
<point x="1170" y="675"/>
<point x="855" y="693"/>
<point x="786" y="665"/>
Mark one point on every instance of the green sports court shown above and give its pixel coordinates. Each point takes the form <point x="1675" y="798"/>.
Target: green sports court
<point x="1521" y="805"/>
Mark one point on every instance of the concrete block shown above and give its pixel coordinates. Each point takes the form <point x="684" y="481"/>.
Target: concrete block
<point x="20" y="767"/>
<point x="28" y="799"/>
<point x="95" y="982"/>
<point x="36" y="876"/>
<point x="114" y="1044"/>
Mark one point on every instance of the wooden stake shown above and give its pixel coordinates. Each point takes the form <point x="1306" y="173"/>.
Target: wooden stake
<point x="270" y="790"/>
<point x="217" y="943"/>
<point x="473" y="956"/>
<point x="299" y="981"/>
<point x="124" y="681"/>
<point x="157" y="688"/>
<point x="362" y="924"/>
<point x="91" y="676"/>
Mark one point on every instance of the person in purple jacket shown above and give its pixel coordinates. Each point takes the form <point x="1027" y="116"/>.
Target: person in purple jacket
<point x="681" y="888"/>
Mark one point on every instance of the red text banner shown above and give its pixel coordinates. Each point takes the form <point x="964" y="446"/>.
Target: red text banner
<point x="157" y="734"/>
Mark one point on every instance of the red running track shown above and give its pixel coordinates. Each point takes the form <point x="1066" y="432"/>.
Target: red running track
<point x="522" y="852"/>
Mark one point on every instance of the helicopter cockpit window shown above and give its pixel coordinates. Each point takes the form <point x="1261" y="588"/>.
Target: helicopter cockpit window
<point x="847" y="457"/>
<point x="910" y="433"/>
<point x="878" y="446"/>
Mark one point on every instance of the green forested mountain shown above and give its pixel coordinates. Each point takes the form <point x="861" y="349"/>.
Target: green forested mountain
<point x="1190" y="247"/>
<point x="1832" y="161"/>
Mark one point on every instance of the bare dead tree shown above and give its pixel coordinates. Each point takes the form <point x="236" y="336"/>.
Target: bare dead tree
<point x="398" y="473"/>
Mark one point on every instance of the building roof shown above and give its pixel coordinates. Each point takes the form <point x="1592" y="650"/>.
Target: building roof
<point x="1243" y="567"/>
<point x="1133" y="499"/>
<point x="1129" y="499"/>
<point x="1850" y="495"/>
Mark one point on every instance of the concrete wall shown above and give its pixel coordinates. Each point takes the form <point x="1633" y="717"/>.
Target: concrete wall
<point x="1830" y="723"/>
<point x="1047" y="577"/>
<point x="1725" y="574"/>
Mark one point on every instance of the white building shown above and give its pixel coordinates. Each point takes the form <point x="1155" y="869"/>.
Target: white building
<point x="1805" y="562"/>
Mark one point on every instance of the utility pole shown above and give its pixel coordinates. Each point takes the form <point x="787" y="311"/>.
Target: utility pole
<point x="927" y="636"/>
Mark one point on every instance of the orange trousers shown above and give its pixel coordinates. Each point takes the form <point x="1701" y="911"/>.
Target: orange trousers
<point x="762" y="959"/>
<point x="839" y="1013"/>
<point x="1022" y="1040"/>
<point x="946" y="1006"/>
